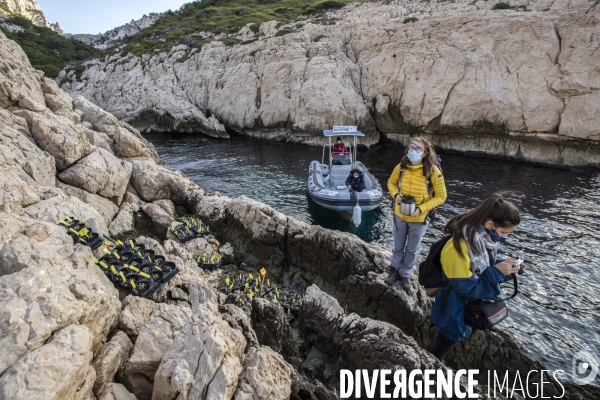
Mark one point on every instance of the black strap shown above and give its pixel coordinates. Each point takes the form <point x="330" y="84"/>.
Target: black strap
<point x="447" y="294"/>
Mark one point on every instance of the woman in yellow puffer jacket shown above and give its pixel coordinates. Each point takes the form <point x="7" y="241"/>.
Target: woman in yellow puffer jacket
<point x="409" y="178"/>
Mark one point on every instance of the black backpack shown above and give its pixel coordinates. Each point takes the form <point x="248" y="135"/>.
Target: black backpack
<point x="430" y="270"/>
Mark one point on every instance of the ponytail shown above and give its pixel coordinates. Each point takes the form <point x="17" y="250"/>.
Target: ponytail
<point x="501" y="212"/>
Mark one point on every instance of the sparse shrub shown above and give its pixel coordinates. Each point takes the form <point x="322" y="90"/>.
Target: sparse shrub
<point x="410" y="19"/>
<point x="282" y="32"/>
<point x="255" y="28"/>
<point x="502" y="6"/>
<point x="229" y="41"/>
<point x="318" y="37"/>
<point x="253" y="52"/>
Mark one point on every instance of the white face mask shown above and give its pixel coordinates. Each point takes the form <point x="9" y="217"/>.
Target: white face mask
<point x="339" y="141"/>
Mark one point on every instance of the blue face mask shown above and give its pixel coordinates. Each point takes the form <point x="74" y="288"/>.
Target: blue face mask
<point x="413" y="156"/>
<point x="495" y="236"/>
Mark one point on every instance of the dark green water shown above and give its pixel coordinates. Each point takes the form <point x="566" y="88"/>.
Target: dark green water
<point x="558" y="311"/>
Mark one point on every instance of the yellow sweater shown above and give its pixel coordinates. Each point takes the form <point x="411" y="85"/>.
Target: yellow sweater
<point x="414" y="184"/>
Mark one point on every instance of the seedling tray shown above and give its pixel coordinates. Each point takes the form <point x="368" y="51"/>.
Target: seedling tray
<point x="154" y="288"/>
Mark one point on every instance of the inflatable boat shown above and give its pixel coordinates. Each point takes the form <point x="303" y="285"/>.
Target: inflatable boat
<point x="326" y="179"/>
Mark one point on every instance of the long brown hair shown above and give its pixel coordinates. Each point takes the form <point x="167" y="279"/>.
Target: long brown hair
<point x="501" y="212"/>
<point x="428" y="158"/>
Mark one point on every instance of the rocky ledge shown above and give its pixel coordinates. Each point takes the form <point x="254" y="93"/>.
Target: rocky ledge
<point x="516" y="84"/>
<point x="67" y="332"/>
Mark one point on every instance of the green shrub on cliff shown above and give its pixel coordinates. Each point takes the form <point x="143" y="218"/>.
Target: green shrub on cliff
<point x="222" y="17"/>
<point x="46" y="49"/>
<point x="502" y="6"/>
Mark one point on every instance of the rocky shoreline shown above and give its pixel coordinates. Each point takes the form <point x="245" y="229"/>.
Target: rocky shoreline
<point x="67" y="332"/>
<point x="515" y="84"/>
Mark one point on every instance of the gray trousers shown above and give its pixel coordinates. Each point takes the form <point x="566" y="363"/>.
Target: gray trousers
<point x="407" y="238"/>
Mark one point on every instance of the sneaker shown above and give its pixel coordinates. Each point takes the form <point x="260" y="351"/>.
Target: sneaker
<point x="406" y="285"/>
<point x="392" y="277"/>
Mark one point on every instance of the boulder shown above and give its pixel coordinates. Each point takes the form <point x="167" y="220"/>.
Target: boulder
<point x="32" y="105"/>
<point x="53" y="371"/>
<point x="58" y="100"/>
<point x="54" y="134"/>
<point x="99" y="172"/>
<point x="116" y="391"/>
<point x="272" y="328"/>
<point x="15" y="122"/>
<point x="130" y="144"/>
<point x="111" y="357"/>
<point x="15" y="193"/>
<point x="266" y="375"/>
<point x="123" y="225"/>
<point x="168" y="206"/>
<point x="155" y="182"/>
<point x="56" y="206"/>
<point x="136" y="311"/>
<point x="41" y="299"/>
<point x="154" y="341"/>
<point x="105" y="207"/>
<point x="23" y="252"/>
<point x="161" y="220"/>
<point x="205" y="357"/>
<point x="239" y="320"/>
<point x="33" y="165"/>
<point x="18" y="78"/>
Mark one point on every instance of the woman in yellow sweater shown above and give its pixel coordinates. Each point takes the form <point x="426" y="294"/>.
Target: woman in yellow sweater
<point x="411" y="178"/>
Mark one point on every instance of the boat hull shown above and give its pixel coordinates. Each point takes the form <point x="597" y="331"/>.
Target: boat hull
<point x="323" y="187"/>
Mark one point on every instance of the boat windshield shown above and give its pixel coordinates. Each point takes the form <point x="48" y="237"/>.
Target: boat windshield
<point x="340" y="159"/>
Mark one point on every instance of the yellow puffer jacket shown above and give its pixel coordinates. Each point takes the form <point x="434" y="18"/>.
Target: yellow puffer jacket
<point x="414" y="184"/>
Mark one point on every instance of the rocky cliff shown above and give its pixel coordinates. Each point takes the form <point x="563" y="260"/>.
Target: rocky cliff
<point x="31" y="10"/>
<point x="116" y="35"/>
<point x="515" y="83"/>
<point x="67" y="332"/>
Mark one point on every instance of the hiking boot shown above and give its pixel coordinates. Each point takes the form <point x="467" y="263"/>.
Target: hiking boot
<point x="392" y="277"/>
<point x="406" y="285"/>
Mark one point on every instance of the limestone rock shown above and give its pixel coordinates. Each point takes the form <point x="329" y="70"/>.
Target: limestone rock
<point x="116" y="391"/>
<point x="272" y="328"/>
<point x="15" y="122"/>
<point x="161" y="220"/>
<point x="106" y="208"/>
<point x="155" y="182"/>
<point x="99" y="172"/>
<point x="239" y="320"/>
<point x="56" y="207"/>
<point x="53" y="371"/>
<point x="34" y="166"/>
<point x="123" y="225"/>
<point x="205" y="357"/>
<point x="130" y="144"/>
<point x="23" y="252"/>
<point x="66" y="142"/>
<point x="154" y="341"/>
<point x="168" y="206"/>
<point x="110" y="358"/>
<point x="266" y="376"/>
<point x="15" y="194"/>
<point x="135" y="313"/>
<point x="18" y="79"/>
<point x="57" y="100"/>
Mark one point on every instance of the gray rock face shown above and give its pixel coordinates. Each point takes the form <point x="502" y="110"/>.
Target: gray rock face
<point x="116" y="35"/>
<point x="99" y="172"/>
<point x="116" y="391"/>
<point x="266" y="376"/>
<point x="135" y="313"/>
<point x="272" y="328"/>
<point x="31" y="10"/>
<point x="52" y="371"/>
<point x="110" y="358"/>
<point x="153" y="342"/>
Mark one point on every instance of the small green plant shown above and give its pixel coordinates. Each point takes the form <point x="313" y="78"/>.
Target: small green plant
<point x="253" y="52"/>
<point x="502" y="6"/>
<point x="229" y="41"/>
<point x="282" y="32"/>
<point x="255" y="28"/>
<point x="410" y="19"/>
<point x="318" y="37"/>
